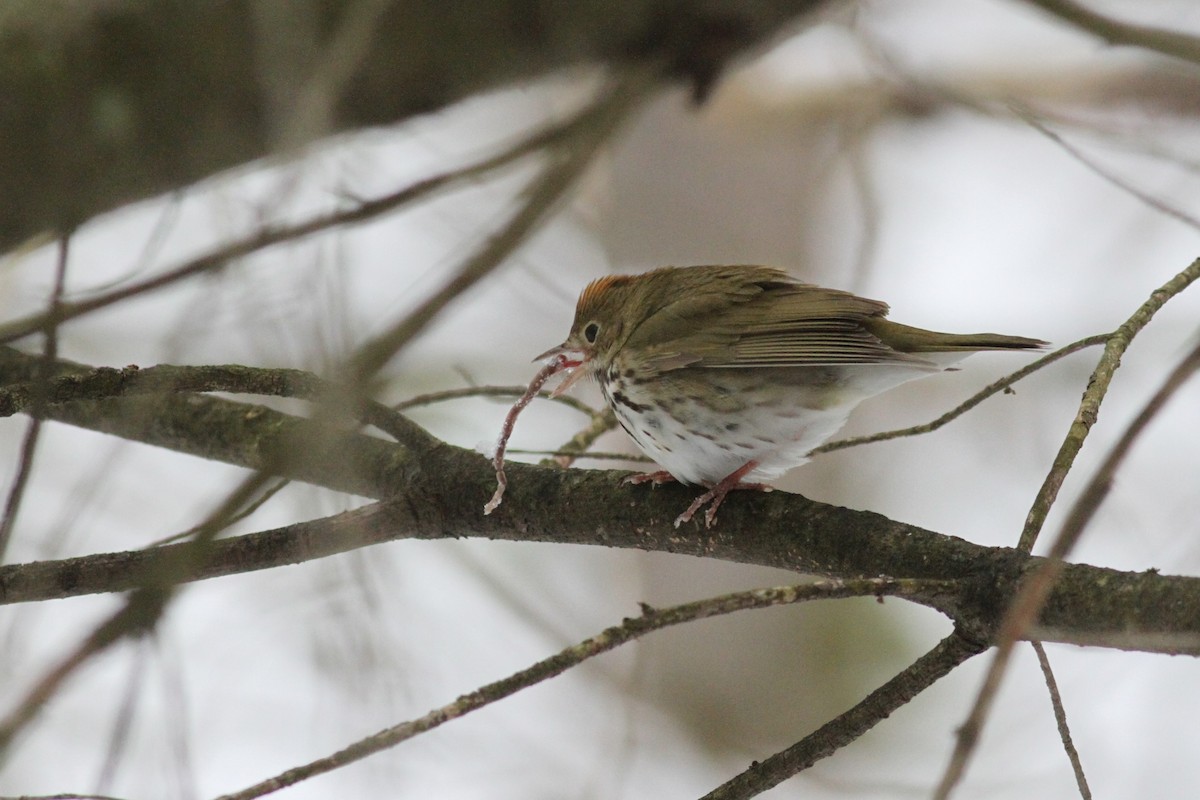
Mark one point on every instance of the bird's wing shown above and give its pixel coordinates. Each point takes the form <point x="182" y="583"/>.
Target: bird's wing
<point x="768" y="320"/>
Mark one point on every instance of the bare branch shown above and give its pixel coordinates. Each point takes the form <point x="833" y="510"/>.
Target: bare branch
<point x="631" y="629"/>
<point x="602" y="422"/>
<point x="567" y="457"/>
<point x="1093" y="396"/>
<point x="1150" y="612"/>
<point x="837" y="733"/>
<point x="106" y="382"/>
<point x="1089" y="605"/>
<point x="1036" y="589"/>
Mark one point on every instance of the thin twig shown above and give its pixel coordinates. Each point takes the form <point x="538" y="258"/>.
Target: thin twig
<point x="1060" y="718"/>
<point x="16" y="492"/>
<point x="574" y="455"/>
<point x="969" y="403"/>
<point x="488" y="391"/>
<point x="1093" y="396"/>
<point x="1034" y="591"/>
<point x="629" y="630"/>
<point x="847" y="727"/>
<point x="117" y="740"/>
<point x="1150" y="200"/>
<point x="331" y="70"/>
<point x="601" y="423"/>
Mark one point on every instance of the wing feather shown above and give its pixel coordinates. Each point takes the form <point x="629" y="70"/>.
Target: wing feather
<point x="761" y="317"/>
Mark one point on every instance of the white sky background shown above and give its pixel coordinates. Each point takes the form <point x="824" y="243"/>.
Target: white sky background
<point x="961" y="221"/>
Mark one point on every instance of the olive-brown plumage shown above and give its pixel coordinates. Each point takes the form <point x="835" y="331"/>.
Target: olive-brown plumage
<point x="730" y="375"/>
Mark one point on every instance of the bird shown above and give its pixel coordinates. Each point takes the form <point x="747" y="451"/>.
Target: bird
<point x="727" y="376"/>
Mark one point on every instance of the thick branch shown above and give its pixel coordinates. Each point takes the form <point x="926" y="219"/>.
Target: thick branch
<point x="437" y="491"/>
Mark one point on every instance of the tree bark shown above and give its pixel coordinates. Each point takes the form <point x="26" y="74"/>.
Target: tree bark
<point x="433" y="490"/>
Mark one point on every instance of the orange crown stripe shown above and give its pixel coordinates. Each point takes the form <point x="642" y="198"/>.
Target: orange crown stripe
<point x="600" y="286"/>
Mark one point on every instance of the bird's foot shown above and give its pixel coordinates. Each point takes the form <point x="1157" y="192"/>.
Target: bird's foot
<point x="716" y="495"/>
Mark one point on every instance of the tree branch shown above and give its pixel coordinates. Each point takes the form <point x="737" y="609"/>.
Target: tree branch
<point x="437" y="491"/>
<point x="837" y="733"/>
<point x="1089" y="407"/>
<point x="1033" y="593"/>
<point x="651" y="620"/>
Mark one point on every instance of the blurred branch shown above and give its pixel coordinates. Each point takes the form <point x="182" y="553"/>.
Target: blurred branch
<point x="837" y="733"/>
<point x="110" y="74"/>
<point x="270" y="235"/>
<point x="1093" y="396"/>
<point x="138" y="615"/>
<point x="601" y="423"/>
<point x="1036" y="589"/>
<point x="153" y="588"/>
<point x="969" y="403"/>
<point x="1169" y="43"/>
<point x="895" y="91"/>
<point x="329" y="72"/>
<point x="630" y="630"/>
<point x="246" y="512"/>
<point x="1157" y="203"/>
<point x="38" y="400"/>
<point x="567" y="161"/>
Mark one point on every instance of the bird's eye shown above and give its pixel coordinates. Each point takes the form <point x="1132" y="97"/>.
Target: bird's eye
<point x="591" y="331"/>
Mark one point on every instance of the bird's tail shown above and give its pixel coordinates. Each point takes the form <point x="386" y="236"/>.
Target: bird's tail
<point x="908" y="339"/>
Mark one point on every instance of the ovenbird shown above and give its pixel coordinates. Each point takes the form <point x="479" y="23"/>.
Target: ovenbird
<point x="729" y="375"/>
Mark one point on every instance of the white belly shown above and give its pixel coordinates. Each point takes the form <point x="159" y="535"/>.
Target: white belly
<point x="701" y="439"/>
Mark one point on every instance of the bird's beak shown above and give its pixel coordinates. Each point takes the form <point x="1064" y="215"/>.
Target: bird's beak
<point x="573" y="362"/>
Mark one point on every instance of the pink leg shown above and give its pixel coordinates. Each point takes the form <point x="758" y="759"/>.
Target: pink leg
<point x="716" y="495"/>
